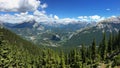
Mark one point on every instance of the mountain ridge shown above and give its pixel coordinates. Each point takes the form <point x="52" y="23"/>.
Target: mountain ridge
<point x="86" y="35"/>
<point x="43" y="33"/>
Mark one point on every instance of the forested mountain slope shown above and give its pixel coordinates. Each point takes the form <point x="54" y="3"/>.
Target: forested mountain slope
<point x="111" y="25"/>
<point x="45" y="33"/>
<point x="16" y="52"/>
<point x="16" y="40"/>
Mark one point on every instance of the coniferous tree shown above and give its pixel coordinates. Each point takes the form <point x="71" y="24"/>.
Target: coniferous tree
<point x="62" y="63"/>
<point x="4" y="52"/>
<point x="93" y="55"/>
<point x="67" y="60"/>
<point x="119" y="40"/>
<point x="104" y="47"/>
<point x="89" y="54"/>
<point x="110" y="43"/>
<point x="83" y="53"/>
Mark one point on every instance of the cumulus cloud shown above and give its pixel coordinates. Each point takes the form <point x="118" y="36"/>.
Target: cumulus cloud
<point x="44" y="6"/>
<point x="66" y="21"/>
<point x="56" y="17"/>
<point x="95" y="17"/>
<point x="39" y="13"/>
<point x="16" y="18"/>
<point x="83" y="18"/>
<point x="91" y="18"/>
<point x="40" y="16"/>
<point x="20" y="5"/>
<point x="37" y="16"/>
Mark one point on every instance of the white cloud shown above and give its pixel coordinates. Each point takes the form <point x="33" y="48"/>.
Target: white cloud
<point x="44" y="6"/>
<point x="81" y="17"/>
<point x="41" y="17"/>
<point x="67" y="21"/>
<point x="24" y="6"/>
<point x="38" y="13"/>
<point x="94" y="17"/>
<point x="20" y="5"/>
<point x="91" y="18"/>
<point x="16" y="18"/>
<point x="113" y="16"/>
<point x="56" y="17"/>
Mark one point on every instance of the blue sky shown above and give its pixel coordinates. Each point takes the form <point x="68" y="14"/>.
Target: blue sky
<point x="61" y="11"/>
<point x="74" y="8"/>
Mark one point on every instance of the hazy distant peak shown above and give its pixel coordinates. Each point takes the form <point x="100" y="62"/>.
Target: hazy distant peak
<point x="111" y="20"/>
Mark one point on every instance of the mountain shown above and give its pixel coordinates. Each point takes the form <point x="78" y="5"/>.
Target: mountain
<point x="16" y="41"/>
<point x="20" y="25"/>
<point x="16" y="52"/>
<point x="86" y="35"/>
<point x="47" y="34"/>
<point x="72" y="34"/>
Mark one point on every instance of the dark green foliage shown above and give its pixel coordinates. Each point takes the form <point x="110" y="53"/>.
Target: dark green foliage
<point x="83" y="53"/>
<point x="116" y="61"/>
<point x="110" y="42"/>
<point x="93" y="56"/>
<point x="103" y="47"/>
<point x="16" y="52"/>
<point x="14" y="39"/>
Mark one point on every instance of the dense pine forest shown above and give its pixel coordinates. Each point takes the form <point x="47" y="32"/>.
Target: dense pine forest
<point x="16" y="52"/>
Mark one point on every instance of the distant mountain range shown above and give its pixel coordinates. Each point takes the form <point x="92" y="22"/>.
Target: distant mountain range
<point x="49" y="34"/>
<point x="86" y="35"/>
<point x="57" y="34"/>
